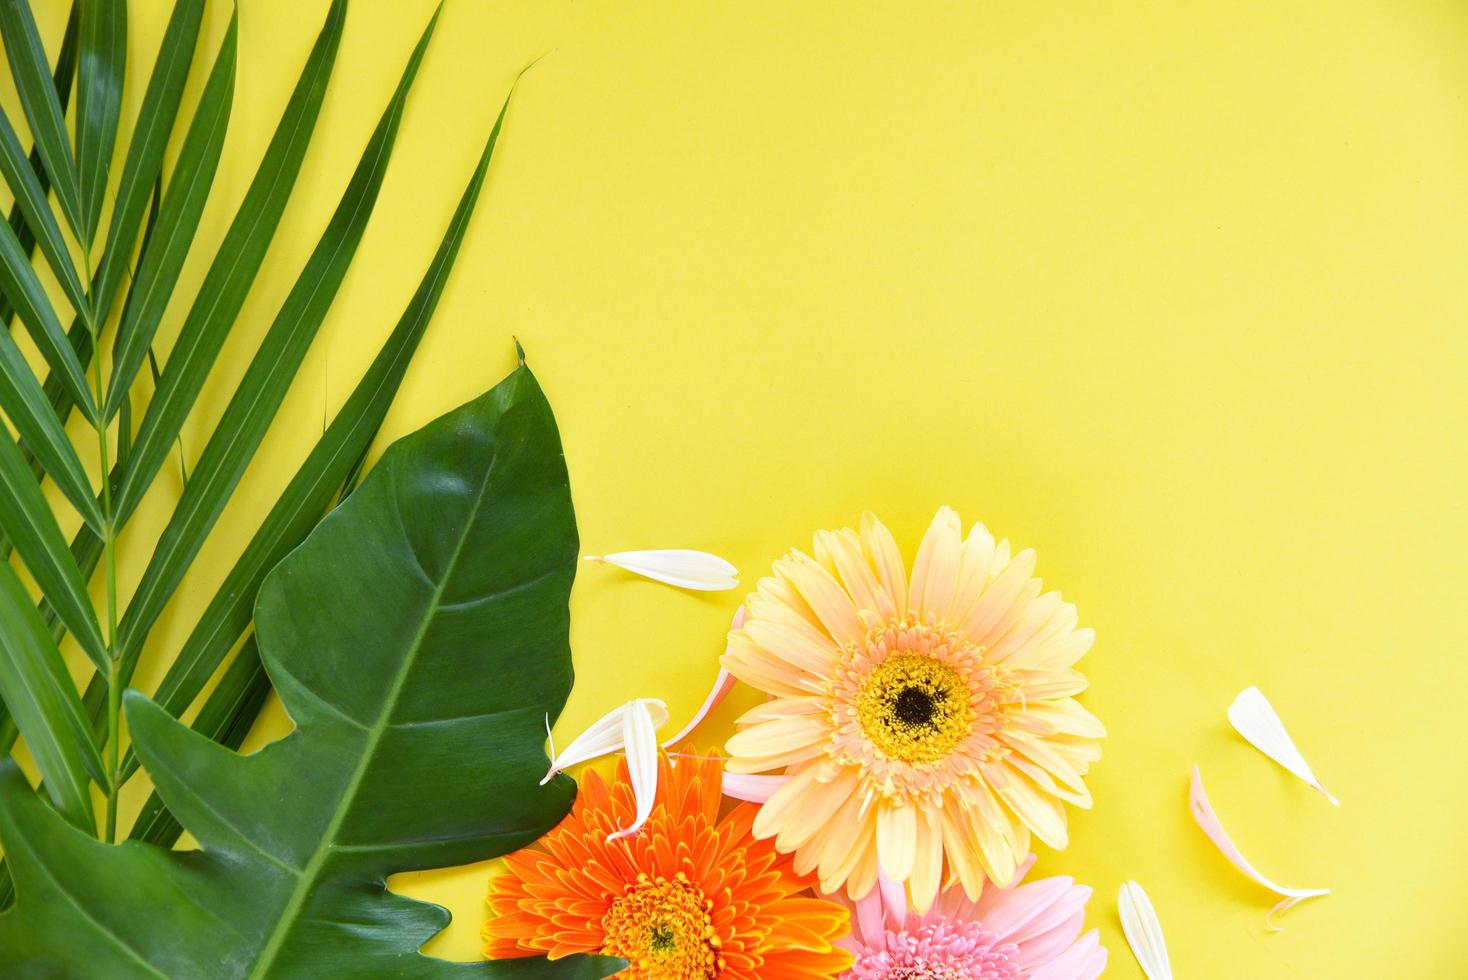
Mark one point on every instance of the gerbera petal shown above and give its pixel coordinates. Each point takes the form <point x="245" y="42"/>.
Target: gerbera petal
<point x="1075" y="797"/>
<point x="605" y="735"/>
<point x="785" y="708"/>
<point x="1013" y="917"/>
<point x="819" y="803"/>
<point x="1066" y="716"/>
<point x="960" y="844"/>
<point x="927" y="864"/>
<point x="768" y="744"/>
<point x="1084" y="961"/>
<point x="680" y="567"/>
<point x="1254" y="717"/>
<point x="782" y="803"/>
<point x="723" y="683"/>
<point x="974" y="562"/>
<point x="750" y="788"/>
<point x="935" y="570"/>
<point x="998" y="849"/>
<point x="841" y="550"/>
<point x="1143" y="931"/>
<point x="1045" y="755"/>
<point x="862" y="854"/>
<point x="894" y="900"/>
<point x="896" y="830"/>
<point x="1062" y="651"/>
<point x="881" y="550"/>
<point x="827" y="599"/>
<point x="1036" y="616"/>
<point x="780" y="603"/>
<point x="871" y="918"/>
<point x="1056" y="931"/>
<point x="1209" y="823"/>
<point x="804" y="649"/>
<point x="863" y="877"/>
<point x="1041" y="813"/>
<point x="994" y="605"/>
<point x="758" y="668"/>
<point x="640" y="740"/>
<point x="1038" y="684"/>
<point x="840" y="838"/>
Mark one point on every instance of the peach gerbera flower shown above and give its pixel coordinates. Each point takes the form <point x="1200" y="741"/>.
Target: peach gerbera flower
<point x="914" y="719"/>
<point x="690" y="896"/>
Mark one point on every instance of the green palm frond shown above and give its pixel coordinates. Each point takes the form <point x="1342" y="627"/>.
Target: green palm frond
<point x="132" y="256"/>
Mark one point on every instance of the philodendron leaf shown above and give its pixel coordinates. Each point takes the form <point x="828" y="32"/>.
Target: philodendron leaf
<point x="418" y="638"/>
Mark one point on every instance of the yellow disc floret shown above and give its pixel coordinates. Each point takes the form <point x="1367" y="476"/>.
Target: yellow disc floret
<point x="914" y="708"/>
<point x="662" y="927"/>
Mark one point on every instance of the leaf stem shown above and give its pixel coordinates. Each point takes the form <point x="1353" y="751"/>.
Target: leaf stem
<point x="109" y="562"/>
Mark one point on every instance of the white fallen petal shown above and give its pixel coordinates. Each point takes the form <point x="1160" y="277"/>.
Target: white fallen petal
<point x="605" y="736"/>
<point x="1143" y="931"/>
<point x="1208" y="820"/>
<point x="686" y="569"/>
<point x="640" y="740"/>
<point x="1254" y="717"/>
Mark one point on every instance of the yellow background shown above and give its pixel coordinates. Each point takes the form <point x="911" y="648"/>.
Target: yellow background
<point x="1172" y="292"/>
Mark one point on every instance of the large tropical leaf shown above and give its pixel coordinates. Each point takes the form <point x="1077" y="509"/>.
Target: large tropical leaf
<point x="419" y="638"/>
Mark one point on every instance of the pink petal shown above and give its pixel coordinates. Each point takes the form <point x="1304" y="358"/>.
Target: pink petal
<point x="1083" y="961"/>
<point x="1011" y="916"/>
<point x="1208" y="821"/>
<point x="722" y="685"/>
<point x="752" y="789"/>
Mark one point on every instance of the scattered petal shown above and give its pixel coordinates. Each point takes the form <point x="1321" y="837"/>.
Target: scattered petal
<point x="640" y="741"/>
<point x="722" y="684"/>
<point x="1254" y="717"/>
<point x="604" y="737"/>
<point x="720" y="690"/>
<point x="1208" y="821"/>
<point x="752" y="789"/>
<point x="1143" y="931"/>
<point x="685" y="569"/>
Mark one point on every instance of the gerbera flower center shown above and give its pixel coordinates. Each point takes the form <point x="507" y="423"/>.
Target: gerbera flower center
<point x="914" y="708"/>
<point x="663" y="928"/>
<point x="940" y="951"/>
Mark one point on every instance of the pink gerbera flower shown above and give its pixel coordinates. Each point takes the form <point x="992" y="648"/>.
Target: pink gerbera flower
<point x="1023" y="932"/>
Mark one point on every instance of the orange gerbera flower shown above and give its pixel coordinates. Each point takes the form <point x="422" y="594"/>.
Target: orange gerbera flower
<point x="690" y="896"/>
